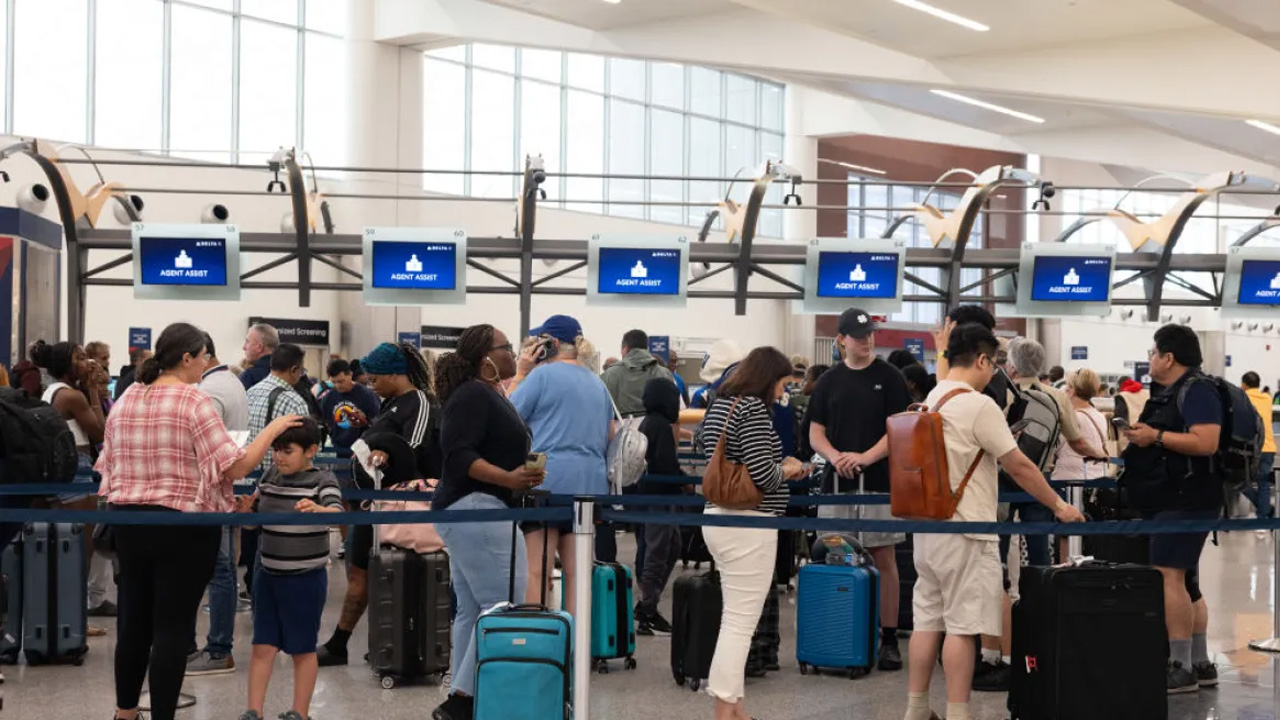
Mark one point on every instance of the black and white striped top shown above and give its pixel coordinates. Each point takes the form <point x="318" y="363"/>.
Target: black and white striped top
<point x="751" y="442"/>
<point x="293" y="549"/>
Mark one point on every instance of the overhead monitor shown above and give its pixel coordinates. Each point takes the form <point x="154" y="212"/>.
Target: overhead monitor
<point x="415" y="266"/>
<point x="841" y="273"/>
<point x="638" y="270"/>
<point x="1251" y="284"/>
<point x="186" y="262"/>
<point x="1064" y="280"/>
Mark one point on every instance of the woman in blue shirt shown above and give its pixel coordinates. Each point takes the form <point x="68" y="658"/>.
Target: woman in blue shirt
<point x="569" y="412"/>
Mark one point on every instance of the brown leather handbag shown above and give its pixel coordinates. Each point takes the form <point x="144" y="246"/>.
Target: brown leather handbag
<point x="728" y="484"/>
<point x="919" y="478"/>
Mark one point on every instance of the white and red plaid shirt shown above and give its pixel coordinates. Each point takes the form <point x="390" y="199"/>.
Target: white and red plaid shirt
<point x="166" y="445"/>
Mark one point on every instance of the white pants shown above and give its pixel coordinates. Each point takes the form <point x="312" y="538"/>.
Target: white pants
<point x="745" y="558"/>
<point x="101" y="575"/>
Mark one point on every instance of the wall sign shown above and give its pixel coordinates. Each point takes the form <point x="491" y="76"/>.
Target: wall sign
<point x="415" y="266"/>
<point x="1142" y="371"/>
<point x="637" y="270"/>
<point x="186" y="262"/>
<point x="915" y="346"/>
<point x="412" y="338"/>
<point x="298" y="332"/>
<point x="139" y="338"/>
<point x="660" y="347"/>
<point x="1079" y="352"/>
<point x="440" y="336"/>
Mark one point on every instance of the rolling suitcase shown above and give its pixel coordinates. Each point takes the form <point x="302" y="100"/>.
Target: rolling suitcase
<point x="524" y="658"/>
<point x="695" y="627"/>
<point x="613" y="619"/>
<point x="693" y="547"/>
<point x="11" y="602"/>
<point x="54" y="594"/>
<point x="838" y="617"/>
<point x="1089" y="643"/>
<point x="409" y="614"/>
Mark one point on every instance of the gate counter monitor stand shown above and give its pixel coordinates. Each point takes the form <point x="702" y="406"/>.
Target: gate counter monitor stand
<point x="637" y="270"/>
<point x="415" y="266"/>
<point x="1251" y="283"/>
<point x="841" y="273"/>
<point x="1063" y="280"/>
<point x="186" y="262"/>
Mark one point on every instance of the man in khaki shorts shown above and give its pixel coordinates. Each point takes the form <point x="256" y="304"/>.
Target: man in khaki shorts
<point x="959" y="586"/>
<point x="847" y="414"/>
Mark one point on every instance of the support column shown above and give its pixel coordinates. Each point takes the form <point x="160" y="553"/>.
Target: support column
<point x="799" y="226"/>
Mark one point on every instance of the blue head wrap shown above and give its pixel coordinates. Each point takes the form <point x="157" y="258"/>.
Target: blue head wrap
<point x="386" y="359"/>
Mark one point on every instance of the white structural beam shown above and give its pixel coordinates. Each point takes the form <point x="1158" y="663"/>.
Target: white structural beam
<point x="1138" y="146"/>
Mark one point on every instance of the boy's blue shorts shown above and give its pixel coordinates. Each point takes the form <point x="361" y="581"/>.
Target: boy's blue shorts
<point x="287" y="609"/>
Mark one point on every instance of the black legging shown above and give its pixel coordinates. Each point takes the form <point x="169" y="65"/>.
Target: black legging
<point x="163" y="572"/>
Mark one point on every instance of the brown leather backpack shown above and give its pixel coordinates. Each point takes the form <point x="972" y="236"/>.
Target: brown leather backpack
<point x="919" y="479"/>
<point x="728" y="484"/>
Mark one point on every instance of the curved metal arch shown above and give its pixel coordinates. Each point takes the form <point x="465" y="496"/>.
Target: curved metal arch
<point x="301" y="226"/>
<point x="1270" y="223"/>
<point x="750" y="220"/>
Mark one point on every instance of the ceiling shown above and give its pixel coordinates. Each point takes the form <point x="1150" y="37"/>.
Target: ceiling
<point x="599" y="15"/>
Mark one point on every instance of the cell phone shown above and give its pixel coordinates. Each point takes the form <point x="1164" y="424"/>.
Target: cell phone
<point x="535" y="461"/>
<point x="1120" y="423"/>
<point x="546" y="347"/>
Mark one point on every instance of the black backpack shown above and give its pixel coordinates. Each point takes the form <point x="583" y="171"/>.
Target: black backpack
<point x="313" y="409"/>
<point x="36" y="444"/>
<point x="1239" y="455"/>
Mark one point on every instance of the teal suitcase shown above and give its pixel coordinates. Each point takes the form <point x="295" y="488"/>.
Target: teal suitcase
<point x="613" y="622"/>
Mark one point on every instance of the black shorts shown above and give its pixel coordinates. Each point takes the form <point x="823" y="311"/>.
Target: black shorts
<point x="1180" y="551"/>
<point x="359" y="546"/>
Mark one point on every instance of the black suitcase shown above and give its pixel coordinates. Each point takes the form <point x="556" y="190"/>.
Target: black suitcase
<point x="905" y="555"/>
<point x="1089" y="643"/>
<point x="55" y="623"/>
<point x="695" y="627"/>
<point x="785" y="566"/>
<point x="693" y="547"/>
<point x="409" y="615"/>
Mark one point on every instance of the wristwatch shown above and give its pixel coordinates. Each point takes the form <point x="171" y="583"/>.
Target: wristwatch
<point x="945" y="356"/>
<point x="1160" y="439"/>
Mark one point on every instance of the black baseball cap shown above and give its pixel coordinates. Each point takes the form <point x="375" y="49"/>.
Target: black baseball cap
<point x="856" y="323"/>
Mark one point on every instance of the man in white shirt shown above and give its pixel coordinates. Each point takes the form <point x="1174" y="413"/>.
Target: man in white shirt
<point x="959" y="584"/>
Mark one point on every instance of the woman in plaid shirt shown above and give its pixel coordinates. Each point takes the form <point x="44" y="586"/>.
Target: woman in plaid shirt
<point x="166" y="450"/>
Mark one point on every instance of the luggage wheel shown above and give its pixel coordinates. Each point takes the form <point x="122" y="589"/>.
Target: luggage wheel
<point x="388" y="682"/>
<point x="804" y="668"/>
<point x="629" y="663"/>
<point x="602" y="667"/>
<point x="694" y="684"/>
<point x="678" y="678"/>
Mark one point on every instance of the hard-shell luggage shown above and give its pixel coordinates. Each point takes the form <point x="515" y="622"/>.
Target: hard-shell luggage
<point x="695" y="627"/>
<point x="1089" y="643"/>
<point x="409" y="614"/>
<point x="838" y="618"/>
<point x="613" y="622"/>
<point x="54" y="594"/>
<point x="11" y="597"/>
<point x="693" y="547"/>
<point x="524" y="659"/>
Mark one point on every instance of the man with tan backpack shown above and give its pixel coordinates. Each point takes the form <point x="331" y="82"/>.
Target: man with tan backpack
<point x="958" y="589"/>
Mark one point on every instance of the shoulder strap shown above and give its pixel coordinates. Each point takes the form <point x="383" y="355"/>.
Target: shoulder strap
<point x="948" y="396"/>
<point x="271" y="402"/>
<point x="968" y="475"/>
<point x="721" y="443"/>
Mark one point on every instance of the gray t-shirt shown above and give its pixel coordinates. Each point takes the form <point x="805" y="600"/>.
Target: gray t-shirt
<point x="293" y="549"/>
<point x="229" y="397"/>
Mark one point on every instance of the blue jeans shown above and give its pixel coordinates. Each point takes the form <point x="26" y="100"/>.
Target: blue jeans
<point x="1037" y="545"/>
<point x="480" y="563"/>
<point x="1261" y="497"/>
<point x="223" y="598"/>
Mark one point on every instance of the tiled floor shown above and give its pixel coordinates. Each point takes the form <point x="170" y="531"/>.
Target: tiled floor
<point x="1237" y="580"/>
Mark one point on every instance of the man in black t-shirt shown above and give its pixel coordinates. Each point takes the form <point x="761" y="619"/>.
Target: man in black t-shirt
<point x="847" y="414"/>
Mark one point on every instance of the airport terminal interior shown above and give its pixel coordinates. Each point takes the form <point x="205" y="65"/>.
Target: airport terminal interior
<point x="721" y="174"/>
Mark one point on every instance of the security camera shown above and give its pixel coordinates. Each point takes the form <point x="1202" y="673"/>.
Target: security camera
<point x="1253" y="326"/>
<point x="1047" y="190"/>
<point x="1237" y="324"/>
<point x="214" y="214"/>
<point x="122" y="213"/>
<point x="700" y="270"/>
<point x="1184" y="319"/>
<point x="1268" y="327"/>
<point x="1166" y="317"/>
<point x="4" y="175"/>
<point x="33" y="197"/>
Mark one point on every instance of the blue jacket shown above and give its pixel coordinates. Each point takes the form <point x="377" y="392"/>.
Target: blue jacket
<point x="784" y="417"/>
<point x="256" y="372"/>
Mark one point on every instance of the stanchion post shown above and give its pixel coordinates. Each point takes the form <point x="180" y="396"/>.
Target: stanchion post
<point x="1272" y="644"/>
<point x="584" y="541"/>
<point x="1075" y="543"/>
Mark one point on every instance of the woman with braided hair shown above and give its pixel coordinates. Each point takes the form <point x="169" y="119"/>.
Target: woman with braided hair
<point x="399" y="375"/>
<point x="485" y="447"/>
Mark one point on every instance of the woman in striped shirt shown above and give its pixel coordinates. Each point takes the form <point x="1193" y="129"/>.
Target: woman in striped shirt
<point x="745" y="556"/>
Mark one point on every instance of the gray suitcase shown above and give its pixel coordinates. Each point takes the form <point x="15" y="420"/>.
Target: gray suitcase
<point x="409" y="614"/>
<point x="11" y="617"/>
<point x="54" y="594"/>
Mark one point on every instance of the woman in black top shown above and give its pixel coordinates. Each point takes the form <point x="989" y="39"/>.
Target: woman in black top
<point x="485" y="446"/>
<point x="745" y="556"/>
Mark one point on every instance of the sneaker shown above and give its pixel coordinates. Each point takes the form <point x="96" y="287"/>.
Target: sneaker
<point x="659" y="624"/>
<point x="250" y="715"/>
<point x="755" y="670"/>
<point x="644" y="628"/>
<point x="292" y="715"/>
<point x="95" y="631"/>
<point x="1206" y="674"/>
<point x="327" y="657"/>
<point x="890" y="658"/>
<point x="455" y="707"/>
<point x="1180" y="680"/>
<point x="206" y="663"/>
<point x="106" y="608"/>
<point x="992" y="677"/>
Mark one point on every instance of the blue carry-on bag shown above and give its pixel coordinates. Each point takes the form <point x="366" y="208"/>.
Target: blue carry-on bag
<point x="613" y="621"/>
<point x="524" y="658"/>
<point x="838" y="616"/>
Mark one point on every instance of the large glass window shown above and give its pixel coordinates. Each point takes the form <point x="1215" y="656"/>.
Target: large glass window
<point x="590" y="115"/>
<point x="268" y="89"/>
<point x="50" y="57"/>
<point x="324" y="127"/>
<point x="200" y="83"/>
<point x="129" y="77"/>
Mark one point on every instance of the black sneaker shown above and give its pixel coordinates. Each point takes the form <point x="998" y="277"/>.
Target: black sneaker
<point x="455" y="707"/>
<point x="890" y="658"/>
<point x="326" y="657"/>
<point x="992" y="677"/>
<point x="1206" y="674"/>
<point x="659" y="624"/>
<point x="1180" y="680"/>
<point x="106" y="608"/>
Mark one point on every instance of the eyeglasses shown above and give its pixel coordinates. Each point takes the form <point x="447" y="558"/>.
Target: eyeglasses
<point x="508" y="347"/>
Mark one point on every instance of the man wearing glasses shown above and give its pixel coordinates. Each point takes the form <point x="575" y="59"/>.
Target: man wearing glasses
<point x="1171" y="474"/>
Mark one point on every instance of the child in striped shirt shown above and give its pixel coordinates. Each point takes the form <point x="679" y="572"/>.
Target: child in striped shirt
<point x="292" y="581"/>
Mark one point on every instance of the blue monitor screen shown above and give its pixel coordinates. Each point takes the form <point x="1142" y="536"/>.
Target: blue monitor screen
<point x="415" y="265"/>
<point x="1071" y="278"/>
<point x="1260" y="282"/>
<point x="183" y="261"/>
<point x="637" y="271"/>
<point x="857" y="275"/>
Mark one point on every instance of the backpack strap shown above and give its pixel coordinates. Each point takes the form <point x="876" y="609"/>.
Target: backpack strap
<point x="271" y="402"/>
<point x="948" y="396"/>
<point x="959" y="493"/>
